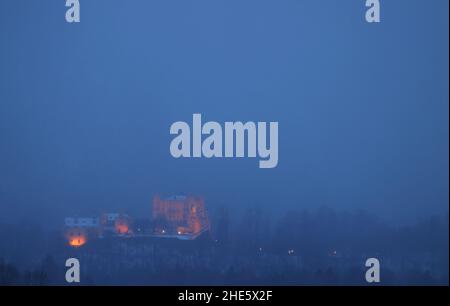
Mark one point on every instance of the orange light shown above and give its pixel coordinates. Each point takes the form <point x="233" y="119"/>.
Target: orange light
<point x="76" y="237"/>
<point x="77" y="241"/>
<point x="122" y="228"/>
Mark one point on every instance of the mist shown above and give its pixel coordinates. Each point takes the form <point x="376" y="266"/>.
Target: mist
<point x="362" y="112"/>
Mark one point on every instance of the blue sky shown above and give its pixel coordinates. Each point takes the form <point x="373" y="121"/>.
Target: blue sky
<point x="85" y="109"/>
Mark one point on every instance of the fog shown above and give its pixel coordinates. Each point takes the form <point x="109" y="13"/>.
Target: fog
<point x="85" y="109"/>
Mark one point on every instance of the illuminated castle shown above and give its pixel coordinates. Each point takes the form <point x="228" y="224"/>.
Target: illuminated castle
<point x="180" y="217"/>
<point x="184" y="216"/>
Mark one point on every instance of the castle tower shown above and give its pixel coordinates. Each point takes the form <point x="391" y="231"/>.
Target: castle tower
<point x="179" y="215"/>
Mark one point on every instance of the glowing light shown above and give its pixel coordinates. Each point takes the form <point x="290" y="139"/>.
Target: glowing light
<point x="122" y="228"/>
<point x="77" y="241"/>
<point x="291" y="252"/>
<point x="122" y="225"/>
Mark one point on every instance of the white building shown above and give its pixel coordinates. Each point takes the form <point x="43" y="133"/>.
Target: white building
<point x="81" y="222"/>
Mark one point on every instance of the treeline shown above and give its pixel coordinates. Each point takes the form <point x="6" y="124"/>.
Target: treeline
<point x="46" y="273"/>
<point x="324" y="246"/>
<point x="316" y="234"/>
